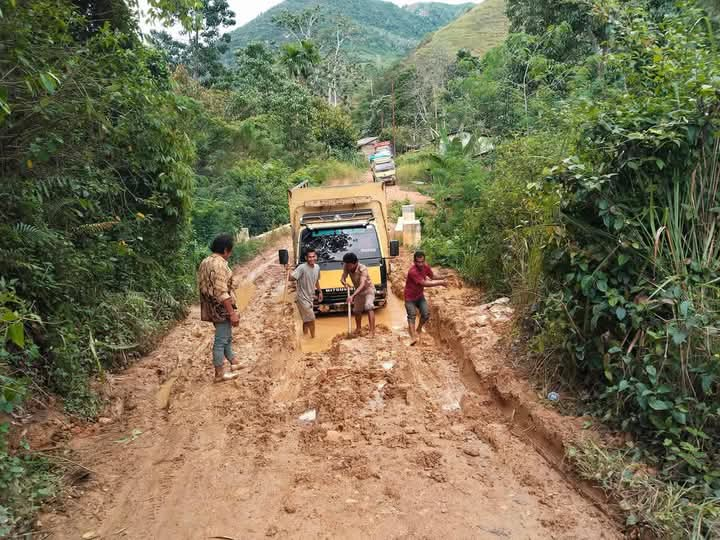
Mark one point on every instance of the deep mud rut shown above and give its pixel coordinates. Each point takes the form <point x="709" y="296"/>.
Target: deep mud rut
<point x="408" y="442"/>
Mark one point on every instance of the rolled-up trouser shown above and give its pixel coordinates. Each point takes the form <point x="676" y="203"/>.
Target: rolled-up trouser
<point x="222" y="347"/>
<point x="363" y="303"/>
<point x="412" y="307"/>
<point x="307" y="313"/>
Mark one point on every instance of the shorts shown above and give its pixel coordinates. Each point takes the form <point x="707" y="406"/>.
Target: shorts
<point x="307" y="313"/>
<point x="412" y="307"/>
<point x="363" y="303"/>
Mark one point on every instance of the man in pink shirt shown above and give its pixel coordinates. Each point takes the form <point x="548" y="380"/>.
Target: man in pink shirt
<point x="419" y="277"/>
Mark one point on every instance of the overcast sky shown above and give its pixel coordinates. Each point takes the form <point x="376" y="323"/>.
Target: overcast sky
<point x="247" y="10"/>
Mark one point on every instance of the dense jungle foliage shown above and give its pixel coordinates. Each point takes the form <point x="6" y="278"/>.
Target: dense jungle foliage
<point x="586" y="188"/>
<point x="117" y="170"/>
<point x="597" y="212"/>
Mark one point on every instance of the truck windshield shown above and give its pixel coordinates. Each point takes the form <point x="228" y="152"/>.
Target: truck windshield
<point x="332" y="244"/>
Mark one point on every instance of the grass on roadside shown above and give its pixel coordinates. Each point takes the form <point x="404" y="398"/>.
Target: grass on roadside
<point x="320" y="172"/>
<point x="665" y="508"/>
<point x="413" y="167"/>
<point x="26" y="481"/>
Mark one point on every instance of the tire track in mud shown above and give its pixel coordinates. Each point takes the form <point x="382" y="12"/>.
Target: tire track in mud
<point x="405" y="442"/>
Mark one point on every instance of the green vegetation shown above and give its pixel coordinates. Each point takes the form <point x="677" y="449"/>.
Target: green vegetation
<point x="382" y="31"/>
<point x="477" y="31"/>
<point x="117" y="172"/>
<point x="597" y="213"/>
<point x="413" y="167"/>
<point x="327" y="170"/>
<point x="203" y="43"/>
<point x="412" y="90"/>
<point x="596" y="210"/>
<point x="646" y="499"/>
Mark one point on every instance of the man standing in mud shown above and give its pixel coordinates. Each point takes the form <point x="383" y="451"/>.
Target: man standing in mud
<point x="215" y="283"/>
<point x="419" y="277"/>
<point x="307" y="276"/>
<point x="363" y="299"/>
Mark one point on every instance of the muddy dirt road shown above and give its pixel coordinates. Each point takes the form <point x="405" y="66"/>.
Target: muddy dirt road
<point x="404" y="442"/>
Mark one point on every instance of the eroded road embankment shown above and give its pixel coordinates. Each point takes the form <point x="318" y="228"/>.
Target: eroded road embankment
<point x="403" y="444"/>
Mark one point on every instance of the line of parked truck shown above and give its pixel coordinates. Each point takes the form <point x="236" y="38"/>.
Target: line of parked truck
<point x="382" y="163"/>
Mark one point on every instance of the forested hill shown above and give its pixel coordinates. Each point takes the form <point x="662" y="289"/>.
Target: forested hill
<point x="379" y="31"/>
<point x="479" y="30"/>
<point x="419" y="80"/>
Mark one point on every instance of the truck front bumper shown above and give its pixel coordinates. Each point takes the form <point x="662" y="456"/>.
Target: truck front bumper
<point x="334" y="304"/>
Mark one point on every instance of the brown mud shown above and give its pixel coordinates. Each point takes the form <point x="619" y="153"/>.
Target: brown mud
<point x="335" y="437"/>
<point x="342" y="438"/>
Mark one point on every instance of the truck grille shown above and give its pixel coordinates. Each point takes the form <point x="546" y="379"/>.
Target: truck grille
<point x="339" y="296"/>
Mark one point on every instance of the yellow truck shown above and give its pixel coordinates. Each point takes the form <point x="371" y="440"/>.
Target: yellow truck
<point x="336" y="220"/>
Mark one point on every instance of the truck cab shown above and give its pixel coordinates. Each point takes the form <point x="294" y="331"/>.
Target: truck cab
<point x="337" y="220"/>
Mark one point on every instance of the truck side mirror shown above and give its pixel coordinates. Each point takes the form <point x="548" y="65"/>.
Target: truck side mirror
<point x="394" y="248"/>
<point x="283" y="256"/>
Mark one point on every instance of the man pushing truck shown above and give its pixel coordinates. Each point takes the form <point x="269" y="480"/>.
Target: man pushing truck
<point x="419" y="277"/>
<point x="363" y="299"/>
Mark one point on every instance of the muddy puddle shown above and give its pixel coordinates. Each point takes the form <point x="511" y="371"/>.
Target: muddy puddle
<point x="334" y="324"/>
<point x="243" y="295"/>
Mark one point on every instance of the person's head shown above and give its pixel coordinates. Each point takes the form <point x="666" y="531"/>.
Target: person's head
<point x="350" y="262"/>
<point x="223" y="245"/>
<point x="311" y="257"/>
<point x="419" y="259"/>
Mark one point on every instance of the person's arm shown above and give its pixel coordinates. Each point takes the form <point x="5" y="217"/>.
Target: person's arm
<point x="318" y="289"/>
<point x="234" y="318"/>
<point x="344" y="278"/>
<point x="295" y="274"/>
<point x="432" y="282"/>
<point x="222" y="293"/>
<point x="364" y="280"/>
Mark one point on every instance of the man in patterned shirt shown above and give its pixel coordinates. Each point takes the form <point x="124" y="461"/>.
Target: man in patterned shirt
<point x="363" y="299"/>
<point x="215" y="283"/>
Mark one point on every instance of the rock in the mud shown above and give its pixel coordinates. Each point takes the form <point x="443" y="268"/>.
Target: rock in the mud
<point x="289" y="507"/>
<point x="105" y="420"/>
<point x="308" y="416"/>
<point x="272" y="530"/>
<point x="90" y="535"/>
<point x="471" y="451"/>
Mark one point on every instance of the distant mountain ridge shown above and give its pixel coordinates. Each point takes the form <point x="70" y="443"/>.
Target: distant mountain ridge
<point x="385" y="31"/>
<point x="477" y="30"/>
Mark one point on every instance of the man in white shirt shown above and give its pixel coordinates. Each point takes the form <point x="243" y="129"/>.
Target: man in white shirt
<point x="307" y="276"/>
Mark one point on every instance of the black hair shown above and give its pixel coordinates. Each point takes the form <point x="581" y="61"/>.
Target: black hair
<point x="308" y="251"/>
<point x="418" y="255"/>
<point x="221" y="243"/>
<point x="350" y="258"/>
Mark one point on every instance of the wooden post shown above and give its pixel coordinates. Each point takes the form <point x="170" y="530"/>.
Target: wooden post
<point x="392" y="89"/>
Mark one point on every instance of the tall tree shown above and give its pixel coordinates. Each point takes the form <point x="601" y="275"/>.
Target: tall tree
<point x="300" y="24"/>
<point x="205" y="42"/>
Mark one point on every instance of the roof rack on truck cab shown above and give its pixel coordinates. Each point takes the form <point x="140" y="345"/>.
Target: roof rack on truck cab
<point x="330" y="217"/>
